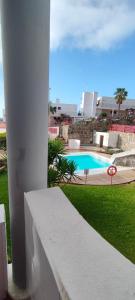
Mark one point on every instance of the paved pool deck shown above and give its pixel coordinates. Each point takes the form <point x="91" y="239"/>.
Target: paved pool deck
<point x="122" y="177"/>
<point x="98" y="150"/>
<point x="86" y="148"/>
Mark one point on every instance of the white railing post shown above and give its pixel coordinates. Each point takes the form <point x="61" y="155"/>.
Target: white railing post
<point x="3" y="255"/>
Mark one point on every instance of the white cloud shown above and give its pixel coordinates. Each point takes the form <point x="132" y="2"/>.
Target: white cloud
<point x="98" y="24"/>
<point x="90" y="24"/>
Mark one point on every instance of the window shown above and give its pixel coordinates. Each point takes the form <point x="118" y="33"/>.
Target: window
<point x="115" y="112"/>
<point x="59" y="108"/>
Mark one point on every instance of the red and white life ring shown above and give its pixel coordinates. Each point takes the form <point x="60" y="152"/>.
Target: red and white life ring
<point x="112" y="170"/>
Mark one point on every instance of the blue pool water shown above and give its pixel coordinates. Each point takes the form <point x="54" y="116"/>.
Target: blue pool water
<point x="87" y="162"/>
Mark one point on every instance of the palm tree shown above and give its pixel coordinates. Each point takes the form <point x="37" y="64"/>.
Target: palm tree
<point x="59" y="168"/>
<point x="55" y="148"/>
<point x="51" y="109"/>
<point x="120" y="96"/>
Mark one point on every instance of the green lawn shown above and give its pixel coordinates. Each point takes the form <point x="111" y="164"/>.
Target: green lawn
<point x="110" y="210"/>
<point x="4" y="199"/>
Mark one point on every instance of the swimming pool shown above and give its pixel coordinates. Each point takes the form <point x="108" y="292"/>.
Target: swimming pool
<point x="88" y="161"/>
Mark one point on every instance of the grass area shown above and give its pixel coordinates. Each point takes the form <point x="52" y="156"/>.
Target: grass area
<point x="4" y="200"/>
<point x="110" y="210"/>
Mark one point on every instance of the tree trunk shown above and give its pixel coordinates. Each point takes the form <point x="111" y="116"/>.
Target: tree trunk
<point x="118" y="109"/>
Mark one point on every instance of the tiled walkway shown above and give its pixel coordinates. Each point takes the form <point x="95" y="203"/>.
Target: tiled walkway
<point x="121" y="177"/>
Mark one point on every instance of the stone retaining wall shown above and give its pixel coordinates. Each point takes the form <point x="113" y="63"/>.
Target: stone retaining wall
<point x="126" y="161"/>
<point x="126" y="141"/>
<point x="82" y="132"/>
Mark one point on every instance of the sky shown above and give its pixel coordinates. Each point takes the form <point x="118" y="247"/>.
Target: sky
<point x="92" y="47"/>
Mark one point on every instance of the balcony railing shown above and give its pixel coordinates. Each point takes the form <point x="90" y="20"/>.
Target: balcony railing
<point x="68" y="259"/>
<point x="3" y="258"/>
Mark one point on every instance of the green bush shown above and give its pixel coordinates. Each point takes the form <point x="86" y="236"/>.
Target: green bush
<point x="3" y="143"/>
<point x="53" y="177"/>
<point x="55" y="148"/>
<point x="59" y="168"/>
<point x="3" y="161"/>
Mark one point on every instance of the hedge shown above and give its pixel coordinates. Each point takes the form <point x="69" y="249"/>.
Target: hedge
<point x="3" y="143"/>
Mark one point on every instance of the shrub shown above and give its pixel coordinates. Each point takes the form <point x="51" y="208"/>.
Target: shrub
<point x="59" y="168"/>
<point x="3" y="143"/>
<point x="53" y="177"/>
<point x="3" y="161"/>
<point x="55" y="148"/>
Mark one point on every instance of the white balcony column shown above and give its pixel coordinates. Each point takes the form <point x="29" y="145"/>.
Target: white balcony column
<point x="25" y="38"/>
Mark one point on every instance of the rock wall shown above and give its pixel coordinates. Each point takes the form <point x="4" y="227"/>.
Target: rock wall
<point x="126" y="141"/>
<point x="82" y="131"/>
<point x="126" y="161"/>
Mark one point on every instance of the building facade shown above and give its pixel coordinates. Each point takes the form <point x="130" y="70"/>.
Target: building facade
<point x="93" y="106"/>
<point x="88" y="105"/>
<point x="64" y="108"/>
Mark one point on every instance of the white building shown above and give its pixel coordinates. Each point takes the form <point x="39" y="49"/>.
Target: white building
<point x="64" y="108"/>
<point x="106" y="139"/>
<point x="88" y="105"/>
<point x="92" y="105"/>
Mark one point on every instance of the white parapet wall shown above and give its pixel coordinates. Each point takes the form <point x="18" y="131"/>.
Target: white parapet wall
<point x="74" y="144"/>
<point x="53" y="132"/>
<point x="66" y="258"/>
<point x="110" y="139"/>
<point x="3" y="255"/>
